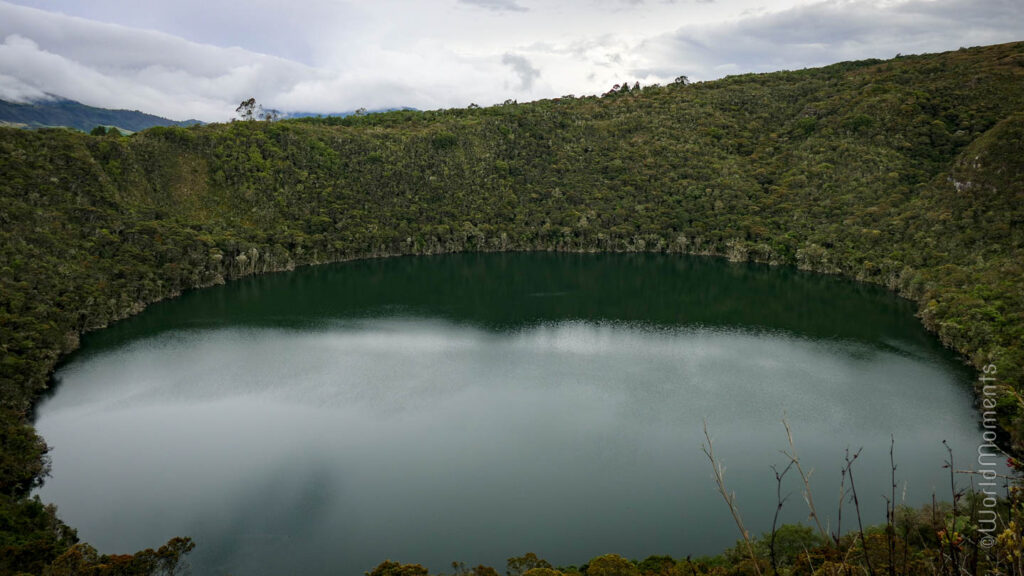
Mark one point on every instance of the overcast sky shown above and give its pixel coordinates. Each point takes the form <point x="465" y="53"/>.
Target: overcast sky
<point x="200" y="58"/>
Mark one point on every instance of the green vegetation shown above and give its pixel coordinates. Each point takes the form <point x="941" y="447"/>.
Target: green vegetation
<point x="917" y="549"/>
<point x="906" y="173"/>
<point x="57" y="112"/>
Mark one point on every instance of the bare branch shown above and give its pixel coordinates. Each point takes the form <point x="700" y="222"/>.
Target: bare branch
<point x="856" y="507"/>
<point x="778" y="508"/>
<point x="805" y="477"/>
<point x="730" y="498"/>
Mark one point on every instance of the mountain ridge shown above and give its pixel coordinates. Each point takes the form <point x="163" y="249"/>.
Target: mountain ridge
<point x="57" y="111"/>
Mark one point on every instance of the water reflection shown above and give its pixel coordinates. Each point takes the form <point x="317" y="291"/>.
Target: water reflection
<point x="328" y="449"/>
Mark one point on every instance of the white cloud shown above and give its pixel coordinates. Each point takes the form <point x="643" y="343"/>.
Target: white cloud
<point x="498" y="5"/>
<point x="331" y="55"/>
<point x="14" y="90"/>
<point x="522" y="67"/>
<point x="826" y="32"/>
<point x="118" y="67"/>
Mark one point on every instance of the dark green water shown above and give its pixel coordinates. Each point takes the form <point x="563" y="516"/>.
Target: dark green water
<point x="476" y="407"/>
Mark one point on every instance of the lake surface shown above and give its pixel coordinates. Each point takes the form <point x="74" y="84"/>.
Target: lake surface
<point x="477" y="407"/>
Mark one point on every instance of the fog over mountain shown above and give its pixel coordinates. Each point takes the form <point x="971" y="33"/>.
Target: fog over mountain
<point x="187" y="58"/>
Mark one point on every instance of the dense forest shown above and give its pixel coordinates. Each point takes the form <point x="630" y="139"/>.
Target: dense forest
<point x="907" y="173"/>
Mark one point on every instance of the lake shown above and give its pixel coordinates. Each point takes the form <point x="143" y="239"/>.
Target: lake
<point x="476" y="407"/>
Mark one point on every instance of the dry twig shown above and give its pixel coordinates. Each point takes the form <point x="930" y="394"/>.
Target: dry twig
<point x="730" y="498"/>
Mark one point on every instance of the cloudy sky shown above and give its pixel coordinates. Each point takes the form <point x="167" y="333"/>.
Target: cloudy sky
<point x="200" y="58"/>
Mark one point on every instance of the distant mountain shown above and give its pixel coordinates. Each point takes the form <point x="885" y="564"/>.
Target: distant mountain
<point x="285" y="115"/>
<point x="71" y="114"/>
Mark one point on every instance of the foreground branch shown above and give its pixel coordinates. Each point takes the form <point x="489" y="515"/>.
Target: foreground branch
<point x="730" y="498"/>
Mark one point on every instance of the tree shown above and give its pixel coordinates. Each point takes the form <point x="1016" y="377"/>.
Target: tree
<point x="519" y="565"/>
<point x="23" y="461"/>
<point x="683" y="80"/>
<point x="247" y="109"/>
<point x="657" y="565"/>
<point x="250" y="110"/>
<point x="611" y="565"/>
<point x="82" y="559"/>
<point x="542" y="571"/>
<point x="391" y="568"/>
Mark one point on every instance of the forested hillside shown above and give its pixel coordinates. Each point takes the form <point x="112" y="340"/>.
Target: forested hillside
<point x="70" y="114"/>
<point x="907" y="173"/>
